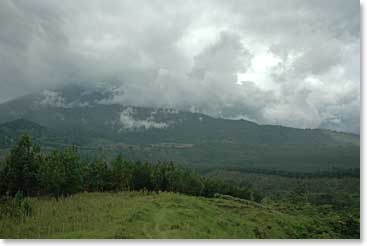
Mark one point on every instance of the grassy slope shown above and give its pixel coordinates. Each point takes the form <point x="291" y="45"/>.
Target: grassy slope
<point x="164" y="215"/>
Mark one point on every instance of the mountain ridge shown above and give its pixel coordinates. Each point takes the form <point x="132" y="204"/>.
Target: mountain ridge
<point x="80" y="118"/>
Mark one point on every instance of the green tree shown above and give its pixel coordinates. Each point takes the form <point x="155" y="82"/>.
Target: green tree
<point x="3" y="185"/>
<point x="141" y="176"/>
<point x="21" y="168"/>
<point x="213" y="186"/>
<point x="160" y="176"/>
<point x="185" y="181"/>
<point x="121" y="173"/>
<point x="61" y="173"/>
<point x="97" y="176"/>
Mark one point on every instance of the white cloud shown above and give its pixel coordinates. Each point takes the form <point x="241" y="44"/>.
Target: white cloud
<point x="193" y="55"/>
<point x="52" y="99"/>
<point x="129" y="123"/>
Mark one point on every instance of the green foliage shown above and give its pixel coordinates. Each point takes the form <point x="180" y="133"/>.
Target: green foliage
<point x="349" y="226"/>
<point x="298" y="194"/>
<point x="121" y="175"/>
<point x="213" y="186"/>
<point x="96" y="176"/>
<point x="169" y="177"/>
<point x="140" y="176"/>
<point x="60" y="173"/>
<point x="320" y="190"/>
<point x="20" y="172"/>
<point x="339" y="200"/>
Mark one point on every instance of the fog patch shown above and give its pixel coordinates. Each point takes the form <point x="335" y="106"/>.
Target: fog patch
<point x="55" y="99"/>
<point x="129" y="123"/>
<point x="52" y="99"/>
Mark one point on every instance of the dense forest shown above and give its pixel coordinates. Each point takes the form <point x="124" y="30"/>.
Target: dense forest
<point x="30" y="172"/>
<point x="27" y="171"/>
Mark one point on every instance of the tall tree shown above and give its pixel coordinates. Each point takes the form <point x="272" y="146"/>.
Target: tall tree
<point x="61" y="172"/>
<point x="21" y="168"/>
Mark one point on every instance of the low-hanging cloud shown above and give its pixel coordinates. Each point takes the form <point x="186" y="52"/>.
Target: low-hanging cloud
<point x="128" y="121"/>
<point x="294" y="63"/>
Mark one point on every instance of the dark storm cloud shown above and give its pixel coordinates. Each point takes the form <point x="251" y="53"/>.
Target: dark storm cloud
<point x="294" y="63"/>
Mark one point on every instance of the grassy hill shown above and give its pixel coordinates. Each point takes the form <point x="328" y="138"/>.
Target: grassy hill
<point x="163" y="215"/>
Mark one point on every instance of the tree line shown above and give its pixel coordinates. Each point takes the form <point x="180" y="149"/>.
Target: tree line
<point x="62" y="172"/>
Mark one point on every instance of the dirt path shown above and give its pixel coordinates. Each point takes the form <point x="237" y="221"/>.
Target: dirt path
<point x="158" y="218"/>
<point x="153" y="230"/>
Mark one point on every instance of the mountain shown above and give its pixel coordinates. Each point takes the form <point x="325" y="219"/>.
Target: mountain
<point x="10" y="131"/>
<point x="90" y="118"/>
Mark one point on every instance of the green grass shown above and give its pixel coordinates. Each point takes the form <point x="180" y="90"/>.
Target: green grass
<point x="163" y="215"/>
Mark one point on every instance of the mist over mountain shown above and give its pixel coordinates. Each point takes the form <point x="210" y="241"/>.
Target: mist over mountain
<point x="297" y="67"/>
<point x="88" y="117"/>
<point x="95" y="105"/>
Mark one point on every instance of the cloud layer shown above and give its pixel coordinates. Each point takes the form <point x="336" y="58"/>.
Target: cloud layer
<point x="130" y="123"/>
<point x="294" y="63"/>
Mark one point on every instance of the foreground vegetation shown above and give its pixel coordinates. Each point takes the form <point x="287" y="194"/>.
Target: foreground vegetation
<point x="166" y="215"/>
<point x="59" y="195"/>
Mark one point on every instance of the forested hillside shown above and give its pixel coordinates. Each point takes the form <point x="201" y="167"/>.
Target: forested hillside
<point x="88" y="118"/>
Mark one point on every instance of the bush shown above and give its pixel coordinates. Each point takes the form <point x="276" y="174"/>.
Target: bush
<point x="15" y="207"/>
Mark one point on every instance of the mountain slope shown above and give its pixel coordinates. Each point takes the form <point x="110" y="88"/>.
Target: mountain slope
<point x="90" y="118"/>
<point x="10" y="131"/>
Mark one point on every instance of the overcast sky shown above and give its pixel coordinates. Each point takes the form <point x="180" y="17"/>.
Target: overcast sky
<point x="289" y="62"/>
